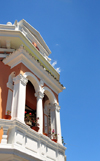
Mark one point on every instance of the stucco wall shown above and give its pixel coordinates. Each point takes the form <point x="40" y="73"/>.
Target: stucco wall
<point x="5" y="71"/>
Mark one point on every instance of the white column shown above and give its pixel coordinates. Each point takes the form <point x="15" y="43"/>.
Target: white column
<point x="10" y="94"/>
<point x="58" y="125"/>
<point x="19" y="94"/>
<point x="39" y="111"/>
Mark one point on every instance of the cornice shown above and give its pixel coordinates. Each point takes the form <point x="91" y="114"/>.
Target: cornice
<point x="24" y="23"/>
<point x="7" y="27"/>
<point x="6" y="50"/>
<point x="3" y="55"/>
<point x="31" y="37"/>
<point x="21" y="56"/>
<point x="31" y="49"/>
<point x="34" y="31"/>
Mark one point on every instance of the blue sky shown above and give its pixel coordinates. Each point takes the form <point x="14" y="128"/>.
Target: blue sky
<point x="71" y="29"/>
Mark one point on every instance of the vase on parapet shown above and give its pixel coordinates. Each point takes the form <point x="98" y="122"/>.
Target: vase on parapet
<point x="55" y="140"/>
<point x="36" y="128"/>
<point x="8" y="116"/>
<point x="45" y="134"/>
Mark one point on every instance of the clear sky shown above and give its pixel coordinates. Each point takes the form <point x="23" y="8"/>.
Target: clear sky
<point x="71" y="29"/>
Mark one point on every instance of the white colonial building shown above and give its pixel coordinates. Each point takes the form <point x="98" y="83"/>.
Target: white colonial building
<point x="30" y="128"/>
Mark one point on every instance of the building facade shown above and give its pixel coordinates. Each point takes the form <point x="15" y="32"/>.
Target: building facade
<point x="30" y="127"/>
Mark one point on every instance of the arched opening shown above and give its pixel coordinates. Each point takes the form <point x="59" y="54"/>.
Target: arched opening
<point x="49" y="123"/>
<point x="46" y="115"/>
<point x="50" y="95"/>
<point x="30" y="105"/>
<point x="31" y="102"/>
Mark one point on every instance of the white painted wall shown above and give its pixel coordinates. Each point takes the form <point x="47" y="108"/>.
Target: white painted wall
<point x="28" y="144"/>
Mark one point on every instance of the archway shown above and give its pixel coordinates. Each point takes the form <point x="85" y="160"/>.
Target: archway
<point x="48" y="116"/>
<point x="30" y="104"/>
<point x="31" y="101"/>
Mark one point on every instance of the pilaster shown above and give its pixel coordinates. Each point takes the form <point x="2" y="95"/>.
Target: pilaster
<point x="19" y="93"/>
<point x="10" y="95"/>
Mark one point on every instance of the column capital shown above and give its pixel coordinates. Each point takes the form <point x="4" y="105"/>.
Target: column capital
<point x="20" y="78"/>
<point x="57" y="107"/>
<point x="39" y="95"/>
<point x="54" y="106"/>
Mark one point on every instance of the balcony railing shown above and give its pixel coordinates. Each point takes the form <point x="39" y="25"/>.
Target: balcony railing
<point x="19" y="139"/>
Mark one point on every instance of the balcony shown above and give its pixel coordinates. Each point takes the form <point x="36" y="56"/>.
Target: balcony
<point x="19" y="142"/>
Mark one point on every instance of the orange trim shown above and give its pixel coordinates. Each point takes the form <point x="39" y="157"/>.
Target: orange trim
<point x="1" y="133"/>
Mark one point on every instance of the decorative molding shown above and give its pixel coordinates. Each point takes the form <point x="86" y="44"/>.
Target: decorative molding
<point x="33" y="80"/>
<point x="25" y="33"/>
<point x="33" y="31"/>
<point x="41" y="83"/>
<point x="3" y="55"/>
<point x="20" y="37"/>
<point x="6" y="50"/>
<point x="32" y="39"/>
<point x="19" y="78"/>
<point x="57" y="107"/>
<point x="54" y="106"/>
<point x="22" y="56"/>
<point x="39" y="95"/>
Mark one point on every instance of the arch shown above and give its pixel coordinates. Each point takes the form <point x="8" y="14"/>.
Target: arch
<point x="33" y="80"/>
<point x="50" y="95"/>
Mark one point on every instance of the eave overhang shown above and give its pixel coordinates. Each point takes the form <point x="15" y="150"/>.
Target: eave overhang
<point x="36" y="33"/>
<point x="17" y="38"/>
<point x="22" y="56"/>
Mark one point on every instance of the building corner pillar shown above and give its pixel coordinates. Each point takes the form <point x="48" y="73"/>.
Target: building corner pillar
<point x="19" y="93"/>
